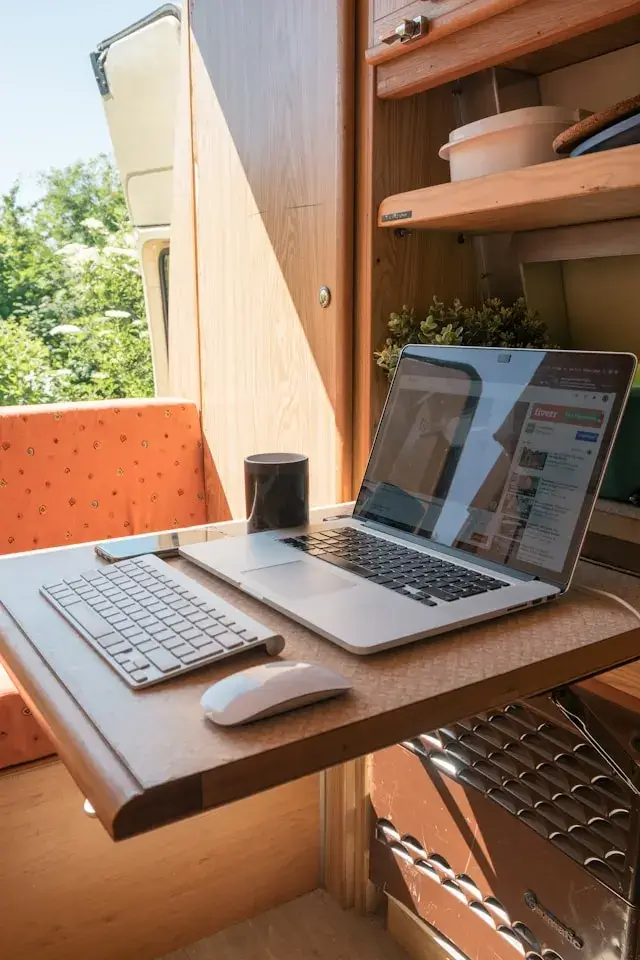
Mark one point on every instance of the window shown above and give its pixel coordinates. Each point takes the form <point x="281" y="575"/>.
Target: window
<point x="163" y="269"/>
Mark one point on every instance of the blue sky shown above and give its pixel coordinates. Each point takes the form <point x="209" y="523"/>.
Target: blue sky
<point x="50" y="109"/>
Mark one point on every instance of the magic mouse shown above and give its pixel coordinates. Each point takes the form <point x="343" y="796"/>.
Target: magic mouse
<point x="269" y="689"/>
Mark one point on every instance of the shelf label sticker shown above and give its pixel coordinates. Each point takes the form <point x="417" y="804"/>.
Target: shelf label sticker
<point x="400" y="215"/>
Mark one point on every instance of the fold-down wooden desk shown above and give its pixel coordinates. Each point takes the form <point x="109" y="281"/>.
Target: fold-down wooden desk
<point x="146" y="758"/>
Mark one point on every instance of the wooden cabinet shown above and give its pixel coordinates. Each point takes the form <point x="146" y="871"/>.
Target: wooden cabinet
<point x="272" y="88"/>
<point x="399" y="27"/>
<point x="465" y="38"/>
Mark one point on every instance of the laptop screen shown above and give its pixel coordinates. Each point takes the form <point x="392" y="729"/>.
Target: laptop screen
<point x="498" y="453"/>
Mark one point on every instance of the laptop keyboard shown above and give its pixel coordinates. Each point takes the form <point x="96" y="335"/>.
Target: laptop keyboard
<point x="151" y="623"/>
<point x="416" y="575"/>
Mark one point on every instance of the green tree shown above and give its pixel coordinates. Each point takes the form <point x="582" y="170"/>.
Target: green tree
<point x="77" y="195"/>
<point x="72" y="314"/>
<point x="25" y="373"/>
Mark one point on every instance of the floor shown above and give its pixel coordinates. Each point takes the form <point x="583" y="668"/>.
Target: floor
<point x="310" y="928"/>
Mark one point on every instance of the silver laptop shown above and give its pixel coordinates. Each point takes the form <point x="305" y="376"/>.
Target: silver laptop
<point x="475" y="501"/>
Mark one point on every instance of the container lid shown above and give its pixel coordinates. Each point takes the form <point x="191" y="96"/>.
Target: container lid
<point x="524" y="117"/>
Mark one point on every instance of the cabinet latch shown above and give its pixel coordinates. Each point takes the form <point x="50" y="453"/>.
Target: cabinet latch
<point x="407" y="30"/>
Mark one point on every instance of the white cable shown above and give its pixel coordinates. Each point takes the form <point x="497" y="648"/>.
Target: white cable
<point x="610" y="596"/>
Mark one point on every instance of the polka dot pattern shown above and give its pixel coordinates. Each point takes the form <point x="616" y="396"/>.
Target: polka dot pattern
<point x="98" y="470"/>
<point x="90" y="471"/>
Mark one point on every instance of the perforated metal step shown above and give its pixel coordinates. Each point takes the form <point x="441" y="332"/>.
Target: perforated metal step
<point x="546" y="776"/>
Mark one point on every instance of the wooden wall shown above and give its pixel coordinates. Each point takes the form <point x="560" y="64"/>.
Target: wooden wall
<point x="70" y="893"/>
<point x="272" y="138"/>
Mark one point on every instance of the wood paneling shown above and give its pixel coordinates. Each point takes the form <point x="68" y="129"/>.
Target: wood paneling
<point x="184" y="346"/>
<point x="529" y="27"/>
<point x="69" y="893"/>
<point x="398" y="146"/>
<point x="385" y="8"/>
<point x="617" y="238"/>
<point x="126" y="748"/>
<point x="626" y="679"/>
<point x="347" y="835"/>
<point x="615" y="36"/>
<point x="598" y="186"/>
<point x="272" y="87"/>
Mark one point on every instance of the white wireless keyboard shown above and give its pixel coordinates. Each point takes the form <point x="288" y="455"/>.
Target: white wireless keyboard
<point x="151" y="623"/>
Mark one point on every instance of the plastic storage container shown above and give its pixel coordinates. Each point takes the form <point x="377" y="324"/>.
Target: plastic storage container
<point x="506" y="141"/>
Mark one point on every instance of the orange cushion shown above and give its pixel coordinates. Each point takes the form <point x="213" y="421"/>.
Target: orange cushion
<point x="90" y="471"/>
<point x="21" y="739"/>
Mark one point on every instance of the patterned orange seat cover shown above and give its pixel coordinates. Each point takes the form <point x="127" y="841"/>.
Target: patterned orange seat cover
<point x="91" y="471"/>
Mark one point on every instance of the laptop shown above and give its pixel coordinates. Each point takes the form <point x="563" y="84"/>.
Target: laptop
<point x="475" y="501"/>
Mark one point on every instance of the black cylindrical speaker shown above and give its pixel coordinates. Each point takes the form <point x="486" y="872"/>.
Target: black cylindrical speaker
<point x="276" y="487"/>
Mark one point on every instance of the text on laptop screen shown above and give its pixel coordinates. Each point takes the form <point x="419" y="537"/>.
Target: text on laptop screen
<point x="498" y="453"/>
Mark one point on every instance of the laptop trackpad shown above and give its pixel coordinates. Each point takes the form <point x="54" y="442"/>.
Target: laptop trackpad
<point x="299" y="580"/>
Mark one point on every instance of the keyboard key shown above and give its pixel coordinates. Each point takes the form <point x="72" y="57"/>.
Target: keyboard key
<point x="91" y="621"/>
<point x="163" y="659"/>
<point x="164" y="635"/>
<point x="172" y="621"/>
<point x="147" y="645"/>
<point x="211" y="609"/>
<point x="93" y="575"/>
<point x="173" y="643"/>
<point x="190" y="633"/>
<point x="346" y="565"/>
<point x="122" y="647"/>
<point x="195" y="656"/>
<point x="229" y="640"/>
<point x="129" y="607"/>
<point x="140" y="676"/>
<point x="198" y="617"/>
<point x="155" y="628"/>
<point x="247" y="635"/>
<point x="131" y="632"/>
<point x="65" y="600"/>
<point x="212" y="648"/>
<point x="201" y="641"/>
<point x="139" y="615"/>
<point x="215" y="631"/>
<point x="183" y="650"/>
<point x="108" y="640"/>
<point x="440" y="594"/>
<point x="179" y="605"/>
<point x="102" y="606"/>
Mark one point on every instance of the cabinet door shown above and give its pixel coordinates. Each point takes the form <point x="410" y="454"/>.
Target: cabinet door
<point x="272" y="127"/>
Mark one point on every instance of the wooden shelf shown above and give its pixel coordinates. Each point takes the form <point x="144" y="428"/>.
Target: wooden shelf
<point x="590" y="189"/>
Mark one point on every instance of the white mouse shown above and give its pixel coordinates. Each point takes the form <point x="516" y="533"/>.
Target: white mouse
<point x="269" y="689"/>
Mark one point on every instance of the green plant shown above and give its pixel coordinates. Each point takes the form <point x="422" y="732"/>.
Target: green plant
<point x="72" y="314"/>
<point x="493" y="324"/>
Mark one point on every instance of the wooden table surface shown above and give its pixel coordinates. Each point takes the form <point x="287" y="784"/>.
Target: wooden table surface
<point x="147" y="757"/>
